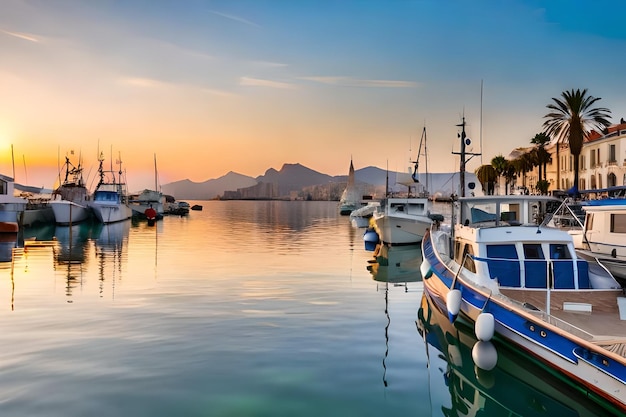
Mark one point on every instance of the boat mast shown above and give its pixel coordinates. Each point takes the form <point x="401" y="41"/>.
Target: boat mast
<point x="156" y="180"/>
<point x="464" y="141"/>
<point x="416" y="162"/>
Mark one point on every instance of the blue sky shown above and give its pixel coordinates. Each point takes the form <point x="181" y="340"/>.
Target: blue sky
<point x="215" y="86"/>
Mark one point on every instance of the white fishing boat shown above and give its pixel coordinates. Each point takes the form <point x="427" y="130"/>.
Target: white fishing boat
<point x="70" y="201"/>
<point x="512" y="279"/>
<point x="404" y="219"/>
<point x="110" y="198"/>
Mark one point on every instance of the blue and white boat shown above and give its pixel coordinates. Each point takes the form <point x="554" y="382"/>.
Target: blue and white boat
<point x="110" y="199"/>
<point x="521" y="283"/>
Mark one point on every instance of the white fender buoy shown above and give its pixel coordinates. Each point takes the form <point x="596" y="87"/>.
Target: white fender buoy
<point x="485" y="355"/>
<point x="484" y="327"/>
<point x="425" y="269"/>
<point x="453" y="303"/>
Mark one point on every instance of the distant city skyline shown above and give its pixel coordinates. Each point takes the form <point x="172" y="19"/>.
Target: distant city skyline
<point x="216" y="86"/>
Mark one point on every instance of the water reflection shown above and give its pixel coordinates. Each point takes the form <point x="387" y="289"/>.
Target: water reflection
<point x="396" y="264"/>
<point x="111" y="252"/>
<point x="71" y="253"/>
<point x="516" y="386"/>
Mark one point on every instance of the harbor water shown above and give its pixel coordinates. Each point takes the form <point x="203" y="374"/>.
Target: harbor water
<point x="246" y="308"/>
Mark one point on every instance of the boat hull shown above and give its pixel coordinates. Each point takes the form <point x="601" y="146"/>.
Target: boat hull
<point x="596" y="370"/>
<point x="394" y="230"/>
<point x="67" y="212"/>
<point x="111" y="213"/>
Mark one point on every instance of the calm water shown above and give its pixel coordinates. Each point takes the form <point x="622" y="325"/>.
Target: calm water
<point x="242" y="309"/>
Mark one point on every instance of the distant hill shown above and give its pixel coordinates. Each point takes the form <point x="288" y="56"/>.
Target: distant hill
<point x="207" y="190"/>
<point x="295" y="177"/>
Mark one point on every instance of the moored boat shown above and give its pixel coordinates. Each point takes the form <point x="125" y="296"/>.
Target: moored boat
<point x="362" y="216"/>
<point x="110" y="198"/>
<point x="404" y="218"/>
<point x="512" y="279"/>
<point x="148" y="204"/>
<point x="351" y="196"/>
<point x="37" y="210"/>
<point x="604" y="234"/>
<point x="70" y="201"/>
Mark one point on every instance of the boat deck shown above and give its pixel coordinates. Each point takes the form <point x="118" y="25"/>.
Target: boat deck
<point x="598" y="320"/>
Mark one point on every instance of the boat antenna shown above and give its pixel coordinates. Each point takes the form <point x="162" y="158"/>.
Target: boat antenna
<point x="156" y="175"/>
<point x="481" y="121"/>
<point x="387" y="180"/>
<point x="463" y="153"/>
<point x="59" y="163"/>
<point x="13" y="161"/>
<point x="25" y="172"/>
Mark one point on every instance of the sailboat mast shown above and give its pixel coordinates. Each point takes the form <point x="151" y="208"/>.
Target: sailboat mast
<point x="426" y="162"/>
<point x="156" y="181"/>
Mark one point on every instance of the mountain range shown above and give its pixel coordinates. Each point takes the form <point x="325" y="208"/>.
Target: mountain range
<point x="296" y="177"/>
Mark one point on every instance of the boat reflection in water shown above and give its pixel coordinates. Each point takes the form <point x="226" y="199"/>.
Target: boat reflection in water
<point x="396" y="264"/>
<point x="515" y="386"/>
<point x="71" y="252"/>
<point x="111" y="251"/>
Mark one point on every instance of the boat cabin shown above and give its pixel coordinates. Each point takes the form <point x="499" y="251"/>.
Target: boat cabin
<point x="502" y="242"/>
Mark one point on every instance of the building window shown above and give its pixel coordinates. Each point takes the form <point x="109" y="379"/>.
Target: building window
<point x="593" y="159"/>
<point x="611" y="180"/>
<point x="612" y="159"/>
<point x="599" y="181"/>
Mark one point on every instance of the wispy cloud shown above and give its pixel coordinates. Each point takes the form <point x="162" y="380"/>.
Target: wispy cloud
<point x="257" y="82"/>
<point x="356" y="82"/>
<point x="24" y="36"/>
<point x="143" y="82"/>
<point x="235" y="18"/>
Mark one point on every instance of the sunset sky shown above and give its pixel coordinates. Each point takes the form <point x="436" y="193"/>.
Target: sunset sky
<point x="216" y="86"/>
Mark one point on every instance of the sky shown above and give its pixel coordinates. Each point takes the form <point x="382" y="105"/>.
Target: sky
<point x="208" y="87"/>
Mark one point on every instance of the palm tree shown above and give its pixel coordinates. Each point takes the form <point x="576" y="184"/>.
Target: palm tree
<point x="523" y="164"/>
<point x="487" y="176"/>
<point x="499" y="164"/>
<point x="572" y="118"/>
<point x="543" y="156"/>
